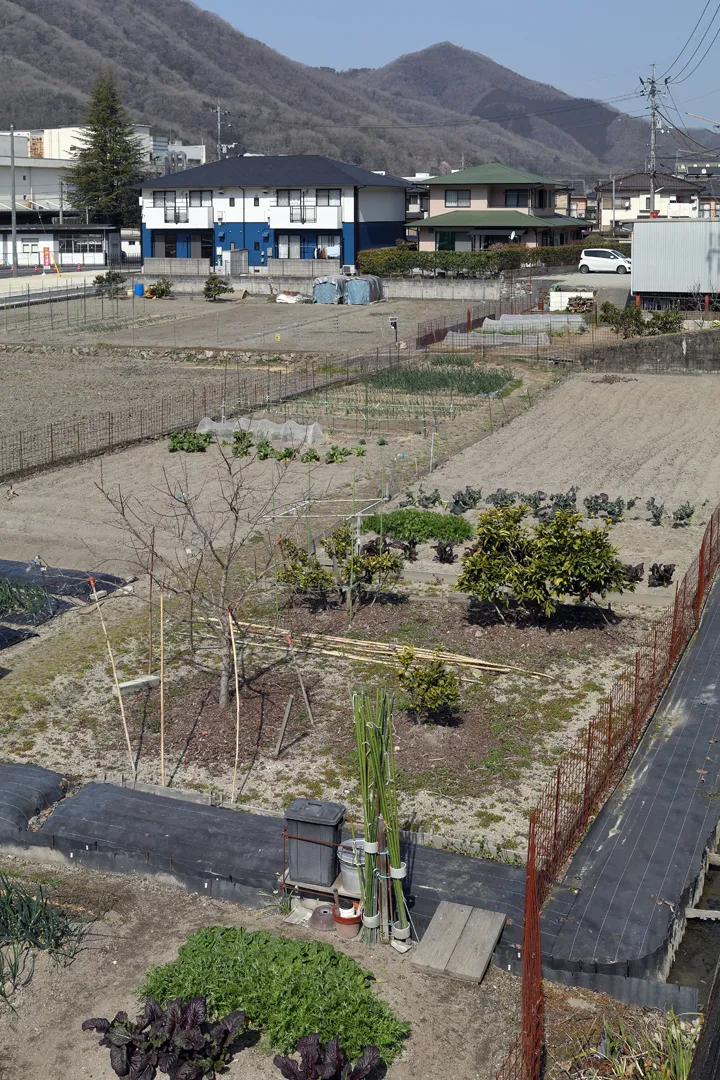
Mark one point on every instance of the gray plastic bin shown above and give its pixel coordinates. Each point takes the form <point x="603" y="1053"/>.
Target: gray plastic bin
<point x="312" y="819"/>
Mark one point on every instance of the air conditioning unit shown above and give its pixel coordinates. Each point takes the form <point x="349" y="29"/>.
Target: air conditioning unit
<point x="348" y="269"/>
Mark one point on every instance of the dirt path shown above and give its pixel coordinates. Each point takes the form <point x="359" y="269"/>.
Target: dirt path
<point x="143" y="923"/>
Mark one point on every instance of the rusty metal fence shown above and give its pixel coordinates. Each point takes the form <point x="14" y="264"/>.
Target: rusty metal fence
<point x="50" y="445"/>
<point x="589" y="773"/>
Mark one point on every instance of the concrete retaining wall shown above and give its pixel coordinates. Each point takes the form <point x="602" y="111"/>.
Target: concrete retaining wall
<point x="392" y="289"/>
<point x="138" y="352"/>
<point x="695" y="352"/>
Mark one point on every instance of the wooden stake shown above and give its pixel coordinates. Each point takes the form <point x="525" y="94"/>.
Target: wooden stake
<point x="162" y="686"/>
<point x="117" y="683"/>
<point x="152" y="567"/>
<point x="283" y="727"/>
<point x="237" y="707"/>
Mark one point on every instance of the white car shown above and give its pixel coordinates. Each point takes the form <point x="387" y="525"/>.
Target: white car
<point x="604" y="259"/>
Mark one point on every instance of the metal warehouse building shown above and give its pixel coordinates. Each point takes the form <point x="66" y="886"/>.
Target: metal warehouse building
<point x="676" y="260"/>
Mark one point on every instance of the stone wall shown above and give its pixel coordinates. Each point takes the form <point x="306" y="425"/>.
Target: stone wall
<point x="189" y="355"/>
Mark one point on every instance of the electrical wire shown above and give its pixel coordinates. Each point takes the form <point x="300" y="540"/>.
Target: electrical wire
<point x="669" y="69"/>
<point x="677" y="80"/>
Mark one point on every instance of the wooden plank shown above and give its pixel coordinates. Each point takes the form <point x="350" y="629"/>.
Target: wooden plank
<point x="471" y="955"/>
<point x="441" y="937"/>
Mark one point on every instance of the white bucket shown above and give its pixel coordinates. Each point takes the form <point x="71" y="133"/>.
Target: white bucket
<point x="351" y="854"/>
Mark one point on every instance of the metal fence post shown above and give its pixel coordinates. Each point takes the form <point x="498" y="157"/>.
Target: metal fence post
<point x="636" y="696"/>
<point x="701" y="582"/>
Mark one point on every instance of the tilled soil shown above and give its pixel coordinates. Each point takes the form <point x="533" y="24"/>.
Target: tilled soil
<point x="142" y="923"/>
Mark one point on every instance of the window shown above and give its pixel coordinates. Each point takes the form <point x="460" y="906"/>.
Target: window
<point x="288" y="197"/>
<point x="163" y="198"/>
<point x="542" y="199"/>
<point x="328" y="196"/>
<point x="231" y="200"/>
<point x="201" y="198"/>
<point x="81" y="243"/>
<point x="516" y="197"/>
<point x="256" y="200"/>
<point x="453" y="241"/>
<point x="330" y="244"/>
<point x="30" y="247"/>
<point x="457" y="197"/>
<point x="647" y="202"/>
<point x="256" y="245"/>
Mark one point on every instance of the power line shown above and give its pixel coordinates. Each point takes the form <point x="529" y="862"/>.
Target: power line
<point x="702" y="13"/>
<point x="702" y="39"/>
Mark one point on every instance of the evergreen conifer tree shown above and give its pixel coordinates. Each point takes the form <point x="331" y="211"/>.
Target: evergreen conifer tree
<point x="109" y="163"/>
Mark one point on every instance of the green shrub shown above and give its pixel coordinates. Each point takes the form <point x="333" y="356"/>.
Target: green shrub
<point x="433" y="689"/>
<point x="287" y="988"/>
<point x="418" y="524"/>
<point x="111" y="283"/>
<point x="216" y="286"/>
<point x="303" y="572"/>
<point x="388" y="261"/>
<point x="160" y="289"/>
<point x="192" y="442"/>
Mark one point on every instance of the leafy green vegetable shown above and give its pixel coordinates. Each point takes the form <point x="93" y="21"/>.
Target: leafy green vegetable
<point x="683" y="515"/>
<point x="419" y="525"/>
<point x="264" y="450"/>
<point x="336" y="454"/>
<point x="21" y="599"/>
<point x="192" y="442"/>
<point x="242" y="443"/>
<point x="463" y="381"/>
<point x="289" y="989"/>
<point x="309" y="456"/>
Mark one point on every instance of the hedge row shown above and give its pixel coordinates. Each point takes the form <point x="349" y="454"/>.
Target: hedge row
<point x="388" y="261"/>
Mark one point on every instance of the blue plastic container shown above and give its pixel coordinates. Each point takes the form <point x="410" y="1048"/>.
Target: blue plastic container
<point x="139" y="288"/>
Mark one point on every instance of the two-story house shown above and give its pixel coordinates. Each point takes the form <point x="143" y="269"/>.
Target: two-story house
<point x="472" y="209"/>
<point x="674" y="198"/>
<point x="284" y="207"/>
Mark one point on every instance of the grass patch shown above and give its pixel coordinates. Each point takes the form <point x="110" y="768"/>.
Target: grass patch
<point x="452" y="360"/>
<point x="287" y="988"/>
<point x="463" y="381"/>
<point x="419" y="524"/>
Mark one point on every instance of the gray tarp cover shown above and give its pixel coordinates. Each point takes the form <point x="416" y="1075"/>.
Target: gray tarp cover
<point x="289" y="432"/>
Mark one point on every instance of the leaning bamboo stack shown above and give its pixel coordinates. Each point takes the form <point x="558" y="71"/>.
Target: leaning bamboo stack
<point x="384" y="907"/>
<point x="376" y="652"/>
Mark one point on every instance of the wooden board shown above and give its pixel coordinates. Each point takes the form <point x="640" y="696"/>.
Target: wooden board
<point x="472" y="954"/>
<point x="459" y="942"/>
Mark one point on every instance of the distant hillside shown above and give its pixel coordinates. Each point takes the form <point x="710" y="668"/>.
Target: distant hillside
<point x="428" y="111"/>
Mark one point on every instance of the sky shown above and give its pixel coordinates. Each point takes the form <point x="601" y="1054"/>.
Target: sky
<point x="587" y="51"/>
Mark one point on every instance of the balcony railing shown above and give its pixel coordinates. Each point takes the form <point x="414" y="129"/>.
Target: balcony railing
<point x="176" y="215"/>
<point x="299" y="215"/>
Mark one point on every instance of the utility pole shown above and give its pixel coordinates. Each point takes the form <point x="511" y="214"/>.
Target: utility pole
<point x="61" y="202"/>
<point x="650" y="88"/>
<point x="219" y="113"/>
<point x="13" y="209"/>
<point x="613" y="202"/>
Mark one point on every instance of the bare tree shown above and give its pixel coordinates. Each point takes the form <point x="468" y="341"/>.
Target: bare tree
<point x="195" y="545"/>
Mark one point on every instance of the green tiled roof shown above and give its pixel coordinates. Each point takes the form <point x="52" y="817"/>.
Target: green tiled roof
<point x="492" y="174"/>
<point x="510" y="219"/>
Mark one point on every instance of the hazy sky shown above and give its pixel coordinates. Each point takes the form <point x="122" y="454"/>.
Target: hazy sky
<point x="584" y="50"/>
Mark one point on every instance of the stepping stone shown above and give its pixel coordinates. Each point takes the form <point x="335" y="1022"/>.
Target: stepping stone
<point x="459" y="942"/>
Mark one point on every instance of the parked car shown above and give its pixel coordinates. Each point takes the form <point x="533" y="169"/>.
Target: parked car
<point x="604" y="259"/>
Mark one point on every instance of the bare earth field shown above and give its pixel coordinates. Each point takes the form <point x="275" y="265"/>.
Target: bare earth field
<point x="252" y="323"/>
<point x="475" y="780"/>
<point x="142" y="923"/>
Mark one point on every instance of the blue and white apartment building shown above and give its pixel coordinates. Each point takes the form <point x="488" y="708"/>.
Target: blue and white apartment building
<point x="285" y="207"/>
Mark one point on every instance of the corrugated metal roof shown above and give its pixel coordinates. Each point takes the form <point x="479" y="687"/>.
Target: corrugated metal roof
<point x="493" y="173"/>
<point x="512" y="219"/>
<point x="289" y="170"/>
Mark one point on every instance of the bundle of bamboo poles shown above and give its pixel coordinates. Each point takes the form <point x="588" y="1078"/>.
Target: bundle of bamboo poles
<point x="375" y="652"/>
<point x="382" y="870"/>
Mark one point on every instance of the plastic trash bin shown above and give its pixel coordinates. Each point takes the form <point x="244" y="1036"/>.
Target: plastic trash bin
<point x="139" y="288"/>
<point x="309" y="820"/>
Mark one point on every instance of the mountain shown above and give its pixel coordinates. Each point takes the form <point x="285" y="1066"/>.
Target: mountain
<point x="426" y="111"/>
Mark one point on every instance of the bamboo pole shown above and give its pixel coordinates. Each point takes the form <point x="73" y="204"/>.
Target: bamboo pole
<point x="237" y="707"/>
<point x="152" y="570"/>
<point x="162" y="686"/>
<point x="115" y="677"/>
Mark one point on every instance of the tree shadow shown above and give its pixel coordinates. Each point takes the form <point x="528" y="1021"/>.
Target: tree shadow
<point x="566" y="617"/>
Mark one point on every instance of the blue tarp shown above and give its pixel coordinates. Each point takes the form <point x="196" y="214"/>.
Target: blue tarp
<point x="329" y="290"/>
<point x="363" y="290"/>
